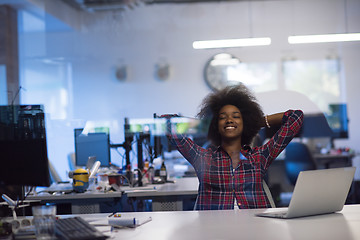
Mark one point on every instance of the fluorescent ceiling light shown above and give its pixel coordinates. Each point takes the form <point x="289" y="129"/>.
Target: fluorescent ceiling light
<point x="224" y="59"/>
<point x="324" y="38"/>
<point x="225" y="62"/>
<point x="226" y="43"/>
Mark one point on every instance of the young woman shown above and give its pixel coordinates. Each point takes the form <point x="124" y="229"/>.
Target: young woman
<point x="230" y="172"/>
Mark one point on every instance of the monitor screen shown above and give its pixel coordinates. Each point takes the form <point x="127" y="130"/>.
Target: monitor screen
<point x="92" y="143"/>
<point x="190" y="126"/>
<point x="316" y="126"/>
<point x="319" y="125"/>
<point x="156" y="127"/>
<point x="23" y="149"/>
<point x="338" y="120"/>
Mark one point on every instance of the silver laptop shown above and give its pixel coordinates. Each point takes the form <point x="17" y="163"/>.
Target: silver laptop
<point x="317" y="192"/>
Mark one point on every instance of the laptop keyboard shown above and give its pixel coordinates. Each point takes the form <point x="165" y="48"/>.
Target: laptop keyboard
<point x="76" y="228"/>
<point x="280" y="214"/>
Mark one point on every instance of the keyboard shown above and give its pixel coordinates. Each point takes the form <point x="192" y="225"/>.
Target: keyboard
<point x="280" y="214"/>
<point x="76" y="228"/>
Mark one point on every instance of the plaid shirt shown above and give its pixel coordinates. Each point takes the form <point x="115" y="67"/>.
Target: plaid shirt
<point x="220" y="184"/>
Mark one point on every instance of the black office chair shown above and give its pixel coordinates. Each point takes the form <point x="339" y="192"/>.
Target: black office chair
<point x="297" y="158"/>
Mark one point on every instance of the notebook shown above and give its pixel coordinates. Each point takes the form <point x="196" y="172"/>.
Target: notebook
<point x="317" y="192"/>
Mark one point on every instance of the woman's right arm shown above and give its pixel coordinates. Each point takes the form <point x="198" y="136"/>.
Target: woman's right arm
<point x="190" y="150"/>
<point x="187" y="147"/>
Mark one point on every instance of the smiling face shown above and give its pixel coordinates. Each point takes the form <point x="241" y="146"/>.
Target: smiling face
<point x="230" y="123"/>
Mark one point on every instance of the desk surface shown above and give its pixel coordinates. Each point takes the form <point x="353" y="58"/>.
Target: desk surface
<point x="236" y="224"/>
<point x="333" y="156"/>
<point x="75" y="196"/>
<point x="334" y="160"/>
<point x="181" y="186"/>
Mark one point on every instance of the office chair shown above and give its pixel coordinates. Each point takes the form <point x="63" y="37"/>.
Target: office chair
<point x="267" y="191"/>
<point x="297" y="158"/>
<point x="54" y="175"/>
<point x="72" y="161"/>
<point x="268" y="194"/>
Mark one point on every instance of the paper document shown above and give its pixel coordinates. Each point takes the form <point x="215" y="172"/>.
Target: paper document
<point x="117" y="220"/>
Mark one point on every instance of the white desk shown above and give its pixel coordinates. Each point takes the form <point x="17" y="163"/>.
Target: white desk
<point x="237" y="224"/>
<point x="75" y="196"/>
<point x="88" y="202"/>
<point x="181" y="186"/>
<point x="168" y="196"/>
<point x="334" y="160"/>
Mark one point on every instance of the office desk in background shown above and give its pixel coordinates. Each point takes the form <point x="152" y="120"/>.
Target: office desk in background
<point x="333" y="160"/>
<point x="168" y="196"/>
<point x="77" y="203"/>
<point x="236" y="224"/>
<point x="164" y="197"/>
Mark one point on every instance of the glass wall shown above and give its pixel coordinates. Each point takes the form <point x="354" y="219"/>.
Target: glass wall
<point x="71" y="71"/>
<point x="3" y="85"/>
<point x="320" y="80"/>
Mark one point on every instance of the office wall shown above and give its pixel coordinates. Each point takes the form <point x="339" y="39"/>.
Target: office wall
<point x="73" y="71"/>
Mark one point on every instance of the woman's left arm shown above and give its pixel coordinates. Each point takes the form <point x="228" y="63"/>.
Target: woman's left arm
<point x="291" y="123"/>
<point x="273" y="120"/>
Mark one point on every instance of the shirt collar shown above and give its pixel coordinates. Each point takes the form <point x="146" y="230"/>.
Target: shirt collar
<point x="246" y="148"/>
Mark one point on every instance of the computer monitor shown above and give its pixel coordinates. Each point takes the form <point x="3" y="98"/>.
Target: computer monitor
<point x="197" y="129"/>
<point x="23" y="149"/>
<point x="330" y="125"/>
<point x="316" y="126"/>
<point x="92" y="143"/>
<point x="338" y="120"/>
<point x="155" y="127"/>
<point x="333" y="124"/>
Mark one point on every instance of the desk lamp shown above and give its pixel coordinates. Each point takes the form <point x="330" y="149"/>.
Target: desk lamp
<point x="13" y="205"/>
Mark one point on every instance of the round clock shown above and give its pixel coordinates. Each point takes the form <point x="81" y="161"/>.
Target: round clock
<point x="218" y="70"/>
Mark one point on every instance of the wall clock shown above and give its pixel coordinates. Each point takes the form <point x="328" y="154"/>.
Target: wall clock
<point x="218" y="71"/>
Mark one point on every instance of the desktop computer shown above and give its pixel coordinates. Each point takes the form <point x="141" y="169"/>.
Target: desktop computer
<point x="92" y="144"/>
<point x="23" y="149"/>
